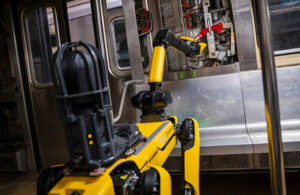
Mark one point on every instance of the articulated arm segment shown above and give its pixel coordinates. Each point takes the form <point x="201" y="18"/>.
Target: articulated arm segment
<point x="157" y="65"/>
<point x="166" y="38"/>
<point x="163" y="39"/>
<point x="153" y="102"/>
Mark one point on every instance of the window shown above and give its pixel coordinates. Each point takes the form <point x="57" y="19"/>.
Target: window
<point x="120" y="43"/>
<point x="81" y="21"/>
<point x="111" y="4"/>
<point x="43" y="41"/>
<point x="285" y="25"/>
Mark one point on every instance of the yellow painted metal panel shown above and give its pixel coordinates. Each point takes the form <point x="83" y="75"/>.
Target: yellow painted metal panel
<point x="192" y="161"/>
<point x="155" y="151"/>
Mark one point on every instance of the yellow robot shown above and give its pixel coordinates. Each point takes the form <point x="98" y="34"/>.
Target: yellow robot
<point x="124" y="159"/>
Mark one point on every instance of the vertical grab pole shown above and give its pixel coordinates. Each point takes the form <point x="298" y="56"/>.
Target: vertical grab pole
<point x="276" y="162"/>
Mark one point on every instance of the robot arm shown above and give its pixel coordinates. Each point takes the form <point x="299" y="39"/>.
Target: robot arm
<point x="152" y="102"/>
<point x="162" y="41"/>
<point x="188" y="132"/>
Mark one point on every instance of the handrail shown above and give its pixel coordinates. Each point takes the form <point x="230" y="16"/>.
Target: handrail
<point x="276" y="163"/>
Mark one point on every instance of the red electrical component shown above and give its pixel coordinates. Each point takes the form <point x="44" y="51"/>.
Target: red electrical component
<point x="191" y="20"/>
<point x="188" y="4"/>
<point x="144" y="21"/>
<point x="217" y="27"/>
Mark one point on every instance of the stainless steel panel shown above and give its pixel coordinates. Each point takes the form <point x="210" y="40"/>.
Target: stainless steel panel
<point x="241" y="10"/>
<point x="208" y="71"/>
<point x="134" y="51"/>
<point x="230" y="106"/>
<point x="213" y="101"/>
<point x="289" y="93"/>
<point x="216" y="103"/>
<point x="227" y="139"/>
<point x="288" y="84"/>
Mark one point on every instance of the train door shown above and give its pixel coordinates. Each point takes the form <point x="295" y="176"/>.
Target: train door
<point x="45" y="25"/>
<point x="42" y="34"/>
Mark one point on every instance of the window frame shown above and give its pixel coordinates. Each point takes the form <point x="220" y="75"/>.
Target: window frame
<point x="114" y="46"/>
<point x="27" y="46"/>
<point x="291" y="51"/>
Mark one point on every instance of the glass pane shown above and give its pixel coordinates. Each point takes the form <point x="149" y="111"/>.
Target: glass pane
<point x="111" y="4"/>
<point x="285" y="24"/>
<point x="118" y="35"/>
<point x="120" y="42"/>
<point x="81" y="21"/>
<point x="120" y="45"/>
<point x="43" y="41"/>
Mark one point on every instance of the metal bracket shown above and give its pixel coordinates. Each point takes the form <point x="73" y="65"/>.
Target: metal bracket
<point x="208" y="23"/>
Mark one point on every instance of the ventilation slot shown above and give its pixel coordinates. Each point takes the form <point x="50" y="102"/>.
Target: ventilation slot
<point x="215" y="162"/>
<point x="169" y="21"/>
<point x="291" y="160"/>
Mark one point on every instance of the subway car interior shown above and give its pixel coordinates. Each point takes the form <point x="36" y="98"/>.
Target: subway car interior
<point x="164" y="97"/>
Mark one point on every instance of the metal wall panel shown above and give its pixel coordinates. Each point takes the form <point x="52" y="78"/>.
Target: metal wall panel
<point x="216" y="103"/>
<point x="230" y="110"/>
<point x="289" y="93"/>
<point x="245" y="42"/>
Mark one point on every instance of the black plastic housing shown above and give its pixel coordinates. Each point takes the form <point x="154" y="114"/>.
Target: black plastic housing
<point x="151" y="102"/>
<point x="216" y="4"/>
<point x="84" y="104"/>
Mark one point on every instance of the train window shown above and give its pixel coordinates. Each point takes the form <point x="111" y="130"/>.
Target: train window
<point x="120" y="47"/>
<point x="43" y="41"/>
<point x="112" y="4"/>
<point x="81" y="21"/>
<point x="285" y="24"/>
<point x="120" y="43"/>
